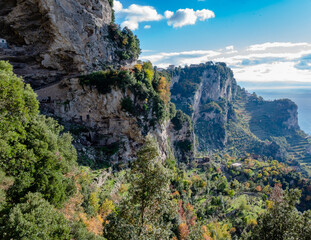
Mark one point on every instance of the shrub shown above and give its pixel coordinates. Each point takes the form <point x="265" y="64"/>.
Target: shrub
<point x="35" y="218"/>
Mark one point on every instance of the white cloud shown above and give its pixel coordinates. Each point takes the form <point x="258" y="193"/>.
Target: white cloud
<point x="147" y="27"/>
<point x="205" y="14"/>
<point x="265" y="46"/>
<point x="117" y="6"/>
<point x="187" y="16"/>
<point x="285" y="62"/>
<point x="168" y="14"/>
<point x="136" y="14"/>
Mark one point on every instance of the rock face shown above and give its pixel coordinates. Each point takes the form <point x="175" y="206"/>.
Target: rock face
<point x="212" y="108"/>
<point x="52" y="39"/>
<point x="227" y="118"/>
<point x="102" y="124"/>
<point x="208" y="102"/>
<point x="272" y="118"/>
<point x="51" y="43"/>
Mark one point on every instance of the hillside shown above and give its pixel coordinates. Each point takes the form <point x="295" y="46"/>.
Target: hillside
<point x="97" y="145"/>
<point x="226" y="118"/>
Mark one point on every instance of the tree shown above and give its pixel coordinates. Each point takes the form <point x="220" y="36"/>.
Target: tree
<point x="164" y="90"/>
<point x="35" y="219"/>
<point x="283" y="221"/>
<point x="32" y="150"/>
<point x="145" y="212"/>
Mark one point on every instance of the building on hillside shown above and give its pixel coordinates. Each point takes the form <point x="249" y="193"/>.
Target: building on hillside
<point x="171" y="67"/>
<point x="237" y="165"/>
<point x="194" y="65"/>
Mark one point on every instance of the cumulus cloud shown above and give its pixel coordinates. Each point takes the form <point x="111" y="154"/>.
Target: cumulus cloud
<point x="117" y="6"/>
<point x="290" y="62"/>
<point x="183" y="17"/>
<point x="205" y="14"/>
<point x="168" y="14"/>
<point x="135" y="14"/>
<point x="147" y="27"/>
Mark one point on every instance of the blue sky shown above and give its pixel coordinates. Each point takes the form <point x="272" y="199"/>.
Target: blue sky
<point x="262" y="40"/>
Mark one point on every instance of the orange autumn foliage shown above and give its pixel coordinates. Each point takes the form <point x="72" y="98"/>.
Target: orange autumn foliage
<point x="258" y="188"/>
<point x="183" y="231"/>
<point x="164" y="90"/>
<point x="94" y="224"/>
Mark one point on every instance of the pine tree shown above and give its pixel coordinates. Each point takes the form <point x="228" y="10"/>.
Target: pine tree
<point x="145" y="212"/>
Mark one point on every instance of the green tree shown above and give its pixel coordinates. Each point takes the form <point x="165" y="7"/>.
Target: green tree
<point x="283" y="221"/>
<point x="32" y="150"/>
<point x="145" y="212"/>
<point x="34" y="219"/>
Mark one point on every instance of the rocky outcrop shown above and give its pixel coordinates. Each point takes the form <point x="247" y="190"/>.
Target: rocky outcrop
<point x="204" y="92"/>
<point x="272" y="118"/>
<point x="51" y="39"/>
<point x="105" y="126"/>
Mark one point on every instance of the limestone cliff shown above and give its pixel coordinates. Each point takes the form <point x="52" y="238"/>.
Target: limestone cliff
<point x="105" y="131"/>
<point x="205" y="92"/>
<point x="51" y="39"/>
<point x="52" y="44"/>
<point x="227" y="118"/>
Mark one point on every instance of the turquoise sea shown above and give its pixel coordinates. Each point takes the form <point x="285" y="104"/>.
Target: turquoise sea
<point x="300" y="93"/>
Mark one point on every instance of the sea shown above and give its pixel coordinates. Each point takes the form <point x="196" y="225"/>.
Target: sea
<point x="300" y="93"/>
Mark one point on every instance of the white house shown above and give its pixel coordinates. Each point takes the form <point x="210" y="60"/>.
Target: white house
<point x="236" y="165"/>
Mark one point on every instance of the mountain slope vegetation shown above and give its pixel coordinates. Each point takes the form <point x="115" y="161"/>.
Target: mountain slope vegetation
<point x="45" y="194"/>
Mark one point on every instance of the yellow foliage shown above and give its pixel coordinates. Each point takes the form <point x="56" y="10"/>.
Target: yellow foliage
<point x="94" y="224"/>
<point x="138" y="67"/>
<point x="218" y="231"/>
<point x="164" y="90"/>
<point x="125" y="41"/>
<point x="106" y="208"/>
<point x="269" y="204"/>
<point x="253" y="222"/>
<point x="247" y="185"/>
<point x="123" y="188"/>
<point x="94" y="201"/>
<point x="149" y="74"/>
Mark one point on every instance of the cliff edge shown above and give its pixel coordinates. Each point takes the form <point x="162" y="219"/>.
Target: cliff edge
<point x="48" y="40"/>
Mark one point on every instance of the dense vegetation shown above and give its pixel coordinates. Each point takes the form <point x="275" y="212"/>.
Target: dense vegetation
<point x="149" y="88"/>
<point x="45" y="194"/>
<point x="38" y="170"/>
<point x="125" y="41"/>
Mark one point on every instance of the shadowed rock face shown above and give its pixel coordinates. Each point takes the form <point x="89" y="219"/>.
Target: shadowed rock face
<point x="50" y="39"/>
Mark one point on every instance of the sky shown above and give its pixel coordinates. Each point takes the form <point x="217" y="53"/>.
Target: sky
<point x="261" y="40"/>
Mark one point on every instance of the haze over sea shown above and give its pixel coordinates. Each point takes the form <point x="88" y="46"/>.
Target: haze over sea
<point x="300" y="93"/>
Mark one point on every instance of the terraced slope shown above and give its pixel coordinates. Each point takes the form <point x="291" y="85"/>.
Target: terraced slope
<point x="269" y="128"/>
